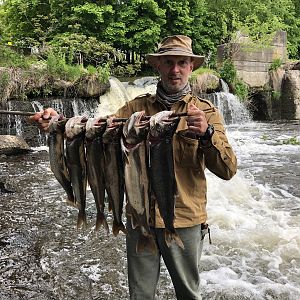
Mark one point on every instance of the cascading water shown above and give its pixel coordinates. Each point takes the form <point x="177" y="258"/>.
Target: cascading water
<point x="254" y="220"/>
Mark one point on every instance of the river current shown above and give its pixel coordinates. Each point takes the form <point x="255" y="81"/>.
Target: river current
<point x="254" y="220"/>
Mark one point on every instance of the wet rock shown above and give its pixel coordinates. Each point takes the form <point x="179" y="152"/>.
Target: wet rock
<point x="12" y="145"/>
<point x="290" y="94"/>
<point x="206" y="83"/>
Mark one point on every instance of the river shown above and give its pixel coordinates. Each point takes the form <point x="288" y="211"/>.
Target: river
<point x="254" y="220"/>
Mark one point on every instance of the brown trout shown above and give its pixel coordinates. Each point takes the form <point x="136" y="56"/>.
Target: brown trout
<point x="57" y="157"/>
<point x="162" y="176"/>
<point x="135" y="133"/>
<point x="114" y="172"/>
<point x="76" y="162"/>
<point x="95" y="166"/>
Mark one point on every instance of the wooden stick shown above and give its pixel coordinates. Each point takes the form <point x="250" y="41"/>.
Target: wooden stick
<point x="27" y="113"/>
<point x="15" y="112"/>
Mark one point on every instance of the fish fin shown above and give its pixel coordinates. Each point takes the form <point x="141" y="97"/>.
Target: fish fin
<point x="146" y="243"/>
<point x="173" y="236"/>
<point x="101" y="220"/>
<point x="134" y="222"/>
<point x="117" y="227"/>
<point x="81" y="220"/>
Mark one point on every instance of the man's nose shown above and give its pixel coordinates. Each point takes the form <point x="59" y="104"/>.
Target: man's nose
<point x="175" y="68"/>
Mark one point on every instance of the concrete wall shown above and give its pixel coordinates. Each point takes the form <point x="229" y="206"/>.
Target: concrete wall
<point x="253" y="62"/>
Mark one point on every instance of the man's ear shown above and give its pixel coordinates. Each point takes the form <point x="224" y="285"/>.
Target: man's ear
<point x="192" y="65"/>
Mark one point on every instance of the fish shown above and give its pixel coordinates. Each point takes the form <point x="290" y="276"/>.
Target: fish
<point x="57" y="156"/>
<point x="114" y="172"/>
<point x="95" y="128"/>
<point x="162" y="175"/>
<point x="135" y="132"/>
<point x="76" y="163"/>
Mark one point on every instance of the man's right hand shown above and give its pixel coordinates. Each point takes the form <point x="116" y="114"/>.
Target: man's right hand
<point x="43" y="117"/>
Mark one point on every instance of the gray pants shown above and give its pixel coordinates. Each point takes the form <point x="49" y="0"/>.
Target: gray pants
<point x="182" y="264"/>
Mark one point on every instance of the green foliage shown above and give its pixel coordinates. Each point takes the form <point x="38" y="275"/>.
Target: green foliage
<point x="80" y="49"/>
<point x="276" y="64"/>
<point x="292" y="141"/>
<point x="10" y="58"/>
<point x="228" y="72"/>
<point x="87" y="28"/>
<point x="103" y="73"/>
<point x="241" y="89"/>
<point x="275" y="95"/>
<point x="58" y="67"/>
<point x="127" y="70"/>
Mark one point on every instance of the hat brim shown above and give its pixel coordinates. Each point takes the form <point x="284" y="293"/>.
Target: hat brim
<point x="153" y="58"/>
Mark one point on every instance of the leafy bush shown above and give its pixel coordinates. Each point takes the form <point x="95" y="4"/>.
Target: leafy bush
<point x="228" y="71"/>
<point x="80" y="49"/>
<point x="229" y="74"/>
<point x="10" y="58"/>
<point x="276" y="64"/>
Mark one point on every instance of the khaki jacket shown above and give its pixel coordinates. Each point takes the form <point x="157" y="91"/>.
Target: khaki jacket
<point x="190" y="159"/>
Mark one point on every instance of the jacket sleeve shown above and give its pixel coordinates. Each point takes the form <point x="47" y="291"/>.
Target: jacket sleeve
<point x="219" y="156"/>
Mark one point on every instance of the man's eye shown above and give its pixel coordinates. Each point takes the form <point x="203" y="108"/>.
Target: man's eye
<point x="183" y="63"/>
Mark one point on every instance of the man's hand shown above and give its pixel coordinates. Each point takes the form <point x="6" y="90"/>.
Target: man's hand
<point x="43" y="117"/>
<point x="196" y="120"/>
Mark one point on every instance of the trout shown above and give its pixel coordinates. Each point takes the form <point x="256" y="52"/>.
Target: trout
<point x="162" y="175"/>
<point x="76" y="162"/>
<point x="57" y="157"/>
<point x="95" y="166"/>
<point x="114" y="172"/>
<point x="135" y="133"/>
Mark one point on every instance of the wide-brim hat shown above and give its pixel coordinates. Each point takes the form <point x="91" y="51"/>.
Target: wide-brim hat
<point x="179" y="45"/>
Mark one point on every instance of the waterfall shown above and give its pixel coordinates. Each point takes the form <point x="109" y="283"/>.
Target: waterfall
<point x="230" y="106"/>
<point x="233" y="110"/>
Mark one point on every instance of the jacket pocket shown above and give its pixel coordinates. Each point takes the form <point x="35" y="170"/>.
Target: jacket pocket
<point x="186" y="151"/>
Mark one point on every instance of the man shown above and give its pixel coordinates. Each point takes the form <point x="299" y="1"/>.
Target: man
<point x="199" y="142"/>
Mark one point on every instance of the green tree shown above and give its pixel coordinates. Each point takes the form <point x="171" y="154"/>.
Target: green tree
<point x="143" y="20"/>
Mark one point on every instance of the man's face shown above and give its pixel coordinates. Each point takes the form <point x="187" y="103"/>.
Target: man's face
<point x="174" y="72"/>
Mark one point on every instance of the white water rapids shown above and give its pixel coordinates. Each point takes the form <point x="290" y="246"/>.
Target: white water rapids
<point x="254" y="220"/>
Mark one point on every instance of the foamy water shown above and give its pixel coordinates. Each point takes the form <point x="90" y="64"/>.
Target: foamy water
<point x="255" y="218"/>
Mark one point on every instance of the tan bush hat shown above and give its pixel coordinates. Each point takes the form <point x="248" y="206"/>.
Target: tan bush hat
<point x="179" y="45"/>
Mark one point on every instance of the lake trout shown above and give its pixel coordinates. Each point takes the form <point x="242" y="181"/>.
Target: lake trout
<point x="162" y="176"/>
<point x="95" y="166"/>
<point x="76" y="162"/>
<point x="114" y="172"/>
<point x="57" y="157"/>
<point x="135" y="133"/>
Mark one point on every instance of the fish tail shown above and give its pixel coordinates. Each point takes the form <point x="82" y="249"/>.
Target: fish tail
<point x="71" y="202"/>
<point x="101" y="220"/>
<point x="146" y="243"/>
<point x="117" y="227"/>
<point x="81" y="220"/>
<point x="171" y="236"/>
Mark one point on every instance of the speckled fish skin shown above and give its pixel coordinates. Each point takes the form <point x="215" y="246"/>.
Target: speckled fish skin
<point x="76" y="162"/>
<point x="114" y="172"/>
<point x="57" y="157"/>
<point x="95" y="167"/>
<point x="135" y="133"/>
<point x="162" y="176"/>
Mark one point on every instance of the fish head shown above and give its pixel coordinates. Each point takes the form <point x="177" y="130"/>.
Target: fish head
<point x="95" y="127"/>
<point x="75" y="126"/>
<point x="113" y="131"/>
<point x="136" y="128"/>
<point x="163" y="123"/>
<point x="57" y="124"/>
